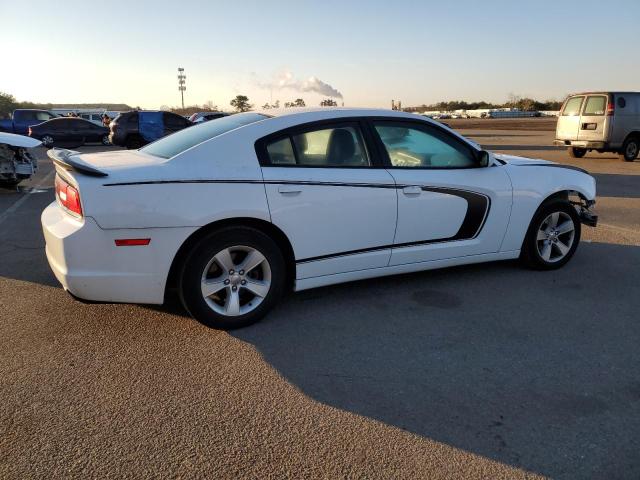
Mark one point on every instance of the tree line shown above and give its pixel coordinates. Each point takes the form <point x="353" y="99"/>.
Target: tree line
<point x="525" y="104"/>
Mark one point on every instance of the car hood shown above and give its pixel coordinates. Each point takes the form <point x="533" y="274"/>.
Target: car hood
<point x="18" y="140"/>
<point x="535" y="162"/>
<point x="515" y="160"/>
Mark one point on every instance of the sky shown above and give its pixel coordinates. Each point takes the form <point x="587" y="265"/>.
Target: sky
<point x="370" y="52"/>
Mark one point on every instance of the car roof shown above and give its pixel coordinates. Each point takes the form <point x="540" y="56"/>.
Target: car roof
<point x="319" y="113"/>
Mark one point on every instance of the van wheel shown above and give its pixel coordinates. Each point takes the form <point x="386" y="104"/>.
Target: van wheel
<point x="576" y="152"/>
<point x="630" y="149"/>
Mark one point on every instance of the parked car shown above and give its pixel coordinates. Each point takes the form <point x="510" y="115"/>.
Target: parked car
<point x="206" y="116"/>
<point x="600" y="121"/>
<point x="137" y="128"/>
<point x="16" y="162"/>
<point x="22" y="119"/>
<point x="236" y="211"/>
<point x="70" y="131"/>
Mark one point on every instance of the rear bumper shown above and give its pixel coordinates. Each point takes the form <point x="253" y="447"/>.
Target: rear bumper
<point x="88" y="264"/>
<point x="598" y="145"/>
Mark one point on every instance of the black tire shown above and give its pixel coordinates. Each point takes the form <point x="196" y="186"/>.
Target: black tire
<point x="576" y="152"/>
<point x="189" y="284"/>
<point x="630" y="149"/>
<point x="10" y="184"/>
<point x="132" y="143"/>
<point x="105" y="140"/>
<point x="530" y="254"/>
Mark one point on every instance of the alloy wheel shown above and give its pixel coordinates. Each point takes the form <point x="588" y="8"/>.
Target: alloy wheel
<point x="632" y="150"/>
<point x="47" y="140"/>
<point x="555" y="237"/>
<point x="236" y="280"/>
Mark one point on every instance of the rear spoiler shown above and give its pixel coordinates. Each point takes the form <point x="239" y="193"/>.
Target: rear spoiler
<point x="63" y="158"/>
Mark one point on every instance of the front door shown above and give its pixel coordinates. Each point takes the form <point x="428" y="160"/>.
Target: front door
<point x="324" y="193"/>
<point x="448" y="206"/>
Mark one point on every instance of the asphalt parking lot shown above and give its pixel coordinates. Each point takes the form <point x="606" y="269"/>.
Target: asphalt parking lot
<point x="484" y="371"/>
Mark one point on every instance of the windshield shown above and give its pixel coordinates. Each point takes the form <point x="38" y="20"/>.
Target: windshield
<point x="178" y="142"/>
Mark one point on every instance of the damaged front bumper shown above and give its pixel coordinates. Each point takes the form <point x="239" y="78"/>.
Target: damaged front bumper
<point x="587" y="217"/>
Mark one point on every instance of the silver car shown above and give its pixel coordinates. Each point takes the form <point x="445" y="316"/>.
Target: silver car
<point x="600" y="121"/>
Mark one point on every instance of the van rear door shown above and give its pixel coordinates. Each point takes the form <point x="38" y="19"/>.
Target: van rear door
<point x="569" y="120"/>
<point x="594" y="121"/>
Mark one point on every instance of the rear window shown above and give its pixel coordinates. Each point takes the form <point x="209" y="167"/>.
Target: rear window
<point x="572" y="107"/>
<point x="595" y="105"/>
<point x="178" y="142"/>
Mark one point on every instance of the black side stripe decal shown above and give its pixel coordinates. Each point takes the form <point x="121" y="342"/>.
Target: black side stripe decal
<point x="258" y="182"/>
<point x="478" y="206"/>
<point x="477" y="212"/>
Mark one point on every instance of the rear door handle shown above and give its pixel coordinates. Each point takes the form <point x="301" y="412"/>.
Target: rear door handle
<point x="412" y="190"/>
<point x="289" y="190"/>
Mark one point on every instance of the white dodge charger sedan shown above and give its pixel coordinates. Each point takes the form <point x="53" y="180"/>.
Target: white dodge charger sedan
<point x="236" y="211"/>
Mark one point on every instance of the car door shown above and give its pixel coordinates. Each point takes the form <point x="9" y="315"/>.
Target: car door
<point x="448" y="205"/>
<point x="568" y="125"/>
<point x="325" y="192"/>
<point x="594" y="121"/>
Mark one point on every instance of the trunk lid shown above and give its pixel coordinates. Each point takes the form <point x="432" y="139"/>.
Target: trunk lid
<point x="103" y="164"/>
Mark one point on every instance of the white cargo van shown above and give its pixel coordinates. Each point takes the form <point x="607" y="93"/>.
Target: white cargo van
<point x="600" y="121"/>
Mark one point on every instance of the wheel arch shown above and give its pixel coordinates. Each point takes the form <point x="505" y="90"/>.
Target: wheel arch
<point x="264" y="226"/>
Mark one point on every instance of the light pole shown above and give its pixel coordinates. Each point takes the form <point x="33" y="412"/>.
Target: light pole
<point x="182" y="83"/>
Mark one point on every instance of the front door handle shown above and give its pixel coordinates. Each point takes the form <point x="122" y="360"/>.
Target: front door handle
<point x="412" y="190"/>
<point x="289" y="190"/>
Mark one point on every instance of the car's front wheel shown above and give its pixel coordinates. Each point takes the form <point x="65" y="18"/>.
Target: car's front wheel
<point x="105" y="140"/>
<point x="232" y="278"/>
<point x="553" y="236"/>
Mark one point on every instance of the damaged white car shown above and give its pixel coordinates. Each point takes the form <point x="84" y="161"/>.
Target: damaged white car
<point x="16" y="162"/>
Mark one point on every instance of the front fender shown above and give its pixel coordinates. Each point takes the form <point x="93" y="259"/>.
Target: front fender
<point x="532" y="185"/>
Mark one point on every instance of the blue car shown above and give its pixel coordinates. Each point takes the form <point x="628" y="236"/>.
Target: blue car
<point x="136" y="128"/>
<point x="24" y="118"/>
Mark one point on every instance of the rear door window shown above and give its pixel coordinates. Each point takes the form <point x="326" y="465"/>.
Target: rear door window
<point x="329" y="146"/>
<point x="572" y="107"/>
<point x="595" y="105"/>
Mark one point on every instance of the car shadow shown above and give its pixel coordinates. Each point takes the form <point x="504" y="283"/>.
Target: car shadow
<point x="532" y="369"/>
<point x="613" y="185"/>
<point x="510" y="148"/>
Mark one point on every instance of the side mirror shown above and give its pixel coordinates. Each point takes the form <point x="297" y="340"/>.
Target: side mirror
<point x="483" y="158"/>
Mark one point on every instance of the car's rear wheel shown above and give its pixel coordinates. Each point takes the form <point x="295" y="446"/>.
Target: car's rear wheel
<point x="630" y="149"/>
<point x="132" y="142"/>
<point x="553" y="236"/>
<point x="232" y="278"/>
<point x="105" y="140"/>
<point x="576" y="152"/>
<point x="47" y="140"/>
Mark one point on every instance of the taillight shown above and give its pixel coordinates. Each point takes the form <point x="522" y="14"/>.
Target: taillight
<point x="68" y="196"/>
<point x="610" y="107"/>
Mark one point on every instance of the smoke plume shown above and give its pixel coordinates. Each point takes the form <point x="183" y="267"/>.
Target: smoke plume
<point x="286" y="80"/>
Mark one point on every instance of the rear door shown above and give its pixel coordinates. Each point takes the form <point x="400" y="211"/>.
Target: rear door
<point x="594" y="121"/>
<point x="326" y="193"/>
<point x="569" y="121"/>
